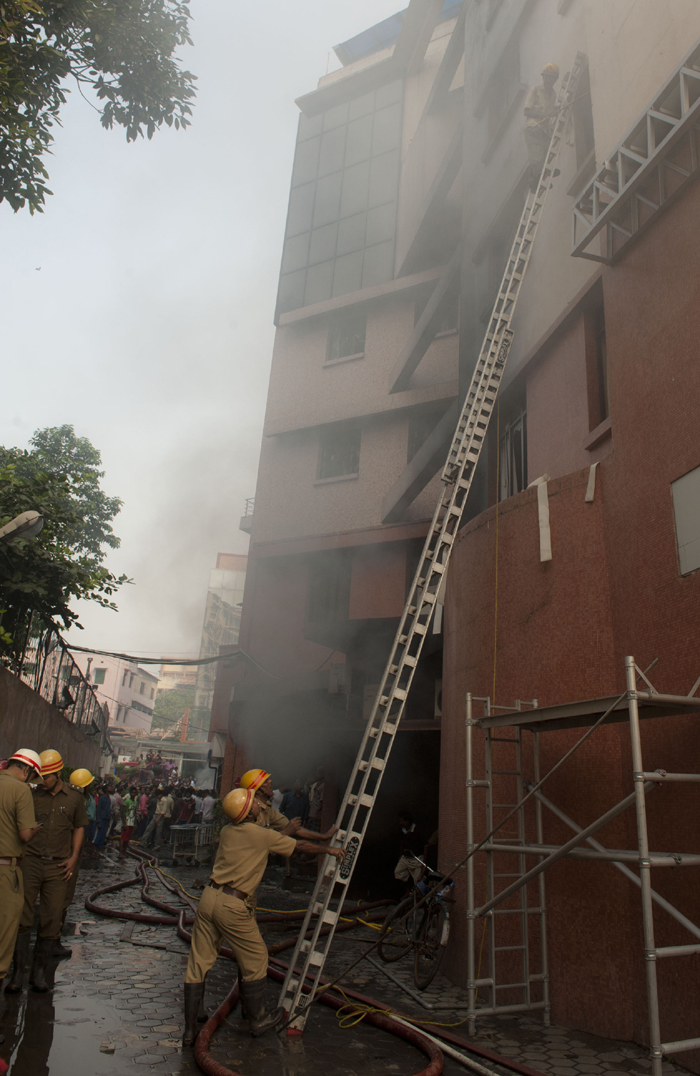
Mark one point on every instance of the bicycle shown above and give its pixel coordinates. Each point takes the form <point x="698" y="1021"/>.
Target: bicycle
<point x="423" y="928"/>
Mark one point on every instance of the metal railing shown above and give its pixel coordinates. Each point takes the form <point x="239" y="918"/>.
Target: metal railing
<point x="249" y="506"/>
<point x="48" y="668"/>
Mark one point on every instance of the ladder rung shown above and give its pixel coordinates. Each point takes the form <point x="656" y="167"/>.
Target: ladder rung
<point x="508" y="948"/>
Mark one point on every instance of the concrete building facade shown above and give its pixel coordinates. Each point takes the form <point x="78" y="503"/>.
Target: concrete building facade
<point x="409" y="177"/>
<point x="128" y="690"/>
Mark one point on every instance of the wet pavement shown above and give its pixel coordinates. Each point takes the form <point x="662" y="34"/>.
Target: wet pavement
<point x="116" y="1007"/>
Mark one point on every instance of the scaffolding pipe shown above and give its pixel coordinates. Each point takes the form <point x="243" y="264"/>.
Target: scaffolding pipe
<point x="471" y="970"/>
<point x="559" y="854"/>
<point x="658" y="859"/>
<point x="656" y="897"/>
<point x="656" y="1052"/>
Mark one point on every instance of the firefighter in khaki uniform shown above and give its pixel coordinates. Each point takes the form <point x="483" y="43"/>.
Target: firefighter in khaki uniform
<point x="51" y="859"/>
<point x="226" y="910"/>
<point x="17" y="826"/>
<point x="260" y="782"/>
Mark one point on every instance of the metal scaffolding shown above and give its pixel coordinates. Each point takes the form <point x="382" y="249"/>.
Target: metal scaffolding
<point x="521" y="926"/>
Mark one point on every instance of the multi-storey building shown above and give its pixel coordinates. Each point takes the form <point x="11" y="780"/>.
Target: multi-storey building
<point x="174" y="676"/>
<point x="409" y="177"/>
<point x="128" y="690"/>
<point x="222" y="618"/>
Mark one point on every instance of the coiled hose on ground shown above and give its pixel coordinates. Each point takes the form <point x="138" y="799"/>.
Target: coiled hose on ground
<point x="423" y="1038"/>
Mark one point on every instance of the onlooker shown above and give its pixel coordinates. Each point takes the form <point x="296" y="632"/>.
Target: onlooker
<point x="197" y="806"/>
<point x="103" y="817"/>
<point x="142" y="816"/>
<point x="154" y="829"/>
<point x="129" y="808"/>
<point x="295" y="803"/>
<point x="208" y="804"/>
<point x="187" y="810"/>
<point x="412" y="843"/>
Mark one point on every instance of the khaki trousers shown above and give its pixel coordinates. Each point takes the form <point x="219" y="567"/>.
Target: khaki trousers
<point x="43" y="879"/>
<point x="11" y="904"/>
<point x="220" y="916"/>
<point x="408" y="867"/>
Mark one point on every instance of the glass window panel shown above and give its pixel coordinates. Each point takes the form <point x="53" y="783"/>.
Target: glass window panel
<point x="346" y="334"/>
<point x="348" y="273"/>
<point x="306" y="161"/>
<point x="296" y="252"/>
<point x="351" y="233"/>
<point x="378" y="264"/>
<point x="387" y="129"/>
<point x="339" y="452"/>
<point x="322" y="243"/>
<point x="327" y="203"/>
<point x="389" y="94"/>
<point x="384" y="178"/>
<point x="334" y="117"/>
<point x="309" y="126"/>
<point x="291" y="293"/>
<point x="359" y="143"/>
<point x="301" y="204"/>
<point x="381" y="223"/>
<point x="318" y="283"/>
<point x="332" y="151"/>
<point x="361" y="106"/>
<point x="355" y="189"/>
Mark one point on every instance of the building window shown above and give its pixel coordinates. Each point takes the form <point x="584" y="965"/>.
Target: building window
<point x="686" y="508"/>
<point x="346" y="336"/>
<point x="339" y="452"/>
<point x="131" y="679"/>
<point x="99" y="677"/>
<point x="124" y="677"/>
<point x="512" y="448"/>
<point x="153" y="691"/>
<point x="142" y="688"/>
<point x="597" y="362"/>
<point x="329" y="587"/>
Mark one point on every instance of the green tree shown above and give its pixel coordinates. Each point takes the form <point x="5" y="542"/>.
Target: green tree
<point x="123" y="50"/>
<point x="59" y="476"/>
<point x="171" y="705"/>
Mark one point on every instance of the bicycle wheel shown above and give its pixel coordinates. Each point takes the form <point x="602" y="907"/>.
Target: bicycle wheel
<point x="396" y="937"/>
<point x="430" y="946"/>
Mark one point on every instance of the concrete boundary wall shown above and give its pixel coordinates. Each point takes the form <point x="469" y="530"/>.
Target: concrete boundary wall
<point x="27" y="720"/>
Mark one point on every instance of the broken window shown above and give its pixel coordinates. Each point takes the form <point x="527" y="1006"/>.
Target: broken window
<point x="346" y="336"/>
<point x="339" y="452"/>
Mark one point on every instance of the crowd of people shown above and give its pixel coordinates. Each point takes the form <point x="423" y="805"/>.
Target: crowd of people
<point x="145" y="813"/>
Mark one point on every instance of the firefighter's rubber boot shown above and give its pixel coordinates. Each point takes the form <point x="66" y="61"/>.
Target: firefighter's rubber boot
<point x="253" y="1001"/>
<point x="194" y="992"/>
<point x="202" y="1014"/>
<point x="42" y="952"/>
<point x="19" y="963"/>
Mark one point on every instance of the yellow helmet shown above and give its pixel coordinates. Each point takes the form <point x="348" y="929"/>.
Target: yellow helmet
<point x="253" y="779"/>
<point x="551" y="69"/>
<point x="51" y="762"/>
<point x="81" y="778"/>
<point x="237" y="804"/>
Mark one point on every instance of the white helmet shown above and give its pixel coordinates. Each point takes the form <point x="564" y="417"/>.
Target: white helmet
<point x="28" y="758"/>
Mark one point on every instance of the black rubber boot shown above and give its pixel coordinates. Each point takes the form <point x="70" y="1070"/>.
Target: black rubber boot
<point x="42" y="952"/>
<point x="19" y="963"/>
<point x="253" y="1001"/>
<point x="61" y="952"/>
<point x="202" y="1014"/>
<point x="194" y="992"/>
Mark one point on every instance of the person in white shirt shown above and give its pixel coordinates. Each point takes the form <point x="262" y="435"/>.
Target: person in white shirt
<point x="208" y="808"/>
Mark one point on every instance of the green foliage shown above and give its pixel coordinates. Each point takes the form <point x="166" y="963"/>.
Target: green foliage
<point x="123" y="49"/>
<point x="59" y="477"/>
<point x="171" y="705"/>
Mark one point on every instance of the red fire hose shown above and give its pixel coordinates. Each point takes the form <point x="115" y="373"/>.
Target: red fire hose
<point x="276" y="970"/>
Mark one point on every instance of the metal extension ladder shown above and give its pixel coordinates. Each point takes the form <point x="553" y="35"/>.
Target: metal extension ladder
<point x="306" y="966"/>
<point x="511" y="941"/>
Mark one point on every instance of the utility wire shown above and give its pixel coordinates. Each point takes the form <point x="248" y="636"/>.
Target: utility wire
<point x="170" y="661"/>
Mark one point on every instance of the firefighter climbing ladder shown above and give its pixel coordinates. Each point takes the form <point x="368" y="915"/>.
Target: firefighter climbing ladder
<point x="306" y="966"/>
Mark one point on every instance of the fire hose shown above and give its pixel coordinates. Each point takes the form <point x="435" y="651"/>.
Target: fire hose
<point x="368" y="1008"/>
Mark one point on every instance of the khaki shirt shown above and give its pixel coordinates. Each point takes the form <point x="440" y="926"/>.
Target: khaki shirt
<point x="243" y="851"/>
<point x="269" y="818"/>
<point x="60" y="815"/>
<point x="539" y="100"/>
<point x="16" y="813"/>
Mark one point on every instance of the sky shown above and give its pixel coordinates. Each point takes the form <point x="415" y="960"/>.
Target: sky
<point x="138" y="307"/>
